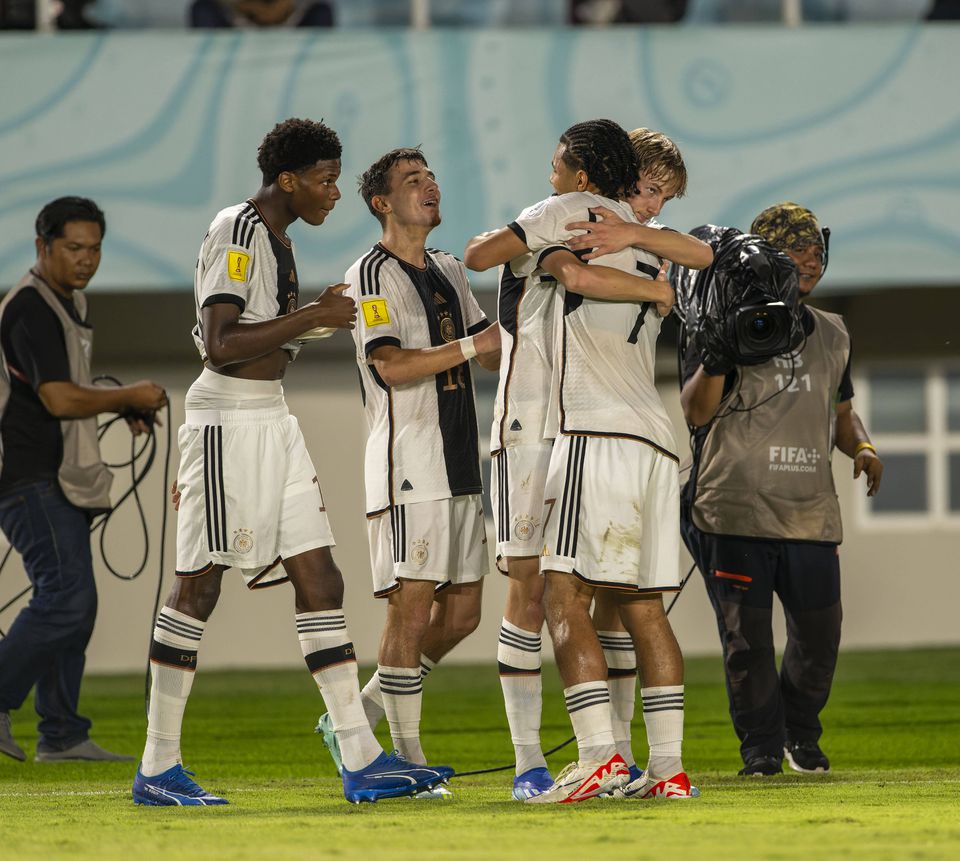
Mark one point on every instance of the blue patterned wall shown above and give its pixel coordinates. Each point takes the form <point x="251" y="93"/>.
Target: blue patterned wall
<point x="860" y="124"/>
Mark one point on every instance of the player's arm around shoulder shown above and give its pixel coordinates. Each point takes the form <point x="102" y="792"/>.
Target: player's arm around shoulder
<point x="612" y="234"/>
<point x="853" y="441"/>
<point x="492" y="248"/>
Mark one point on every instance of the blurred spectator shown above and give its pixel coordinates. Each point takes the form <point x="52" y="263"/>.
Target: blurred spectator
<point x="944" y="10"/>
<point x="260" y="13"/>
<point x="67" y="15"/>
<point x="603" y="12"/>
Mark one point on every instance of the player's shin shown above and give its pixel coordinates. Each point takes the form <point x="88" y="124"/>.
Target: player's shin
<point x="588" y="705"/>
<point x="518" y="658"/>
<point x="173" y="661"/>
<point x="373" y="698"/>
<point x="330" y="657"/>
<point x="622" y="681"/>
<point x="402" y="691"/>
<point x="663" y="716"/>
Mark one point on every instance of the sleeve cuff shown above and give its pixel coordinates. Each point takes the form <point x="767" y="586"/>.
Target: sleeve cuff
<point x="370" y="346"/>
<point x="221" y="298"/>
<point x="519" y="231"/>
<point x="548" y="251"/>
<point x="478" y="326"/>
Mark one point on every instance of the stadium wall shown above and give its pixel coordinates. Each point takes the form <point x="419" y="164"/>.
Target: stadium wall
<point x="162" y="130"/>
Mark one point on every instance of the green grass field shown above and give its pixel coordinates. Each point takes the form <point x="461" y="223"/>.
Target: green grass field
<point x="892" y="732"/>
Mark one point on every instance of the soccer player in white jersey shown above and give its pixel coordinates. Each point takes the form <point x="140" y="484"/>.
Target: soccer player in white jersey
<point x="418" y="326"/>
<point x="249" y="495"/>
<point x="663" y="176"/>
<point x="593" y="157"/>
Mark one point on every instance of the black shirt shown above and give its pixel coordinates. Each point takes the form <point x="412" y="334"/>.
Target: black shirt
<point x="35" y="350"/>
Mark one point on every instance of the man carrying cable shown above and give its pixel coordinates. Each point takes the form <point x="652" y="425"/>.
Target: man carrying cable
<point x="760" y="512"/>
<point x="52" y="479"/>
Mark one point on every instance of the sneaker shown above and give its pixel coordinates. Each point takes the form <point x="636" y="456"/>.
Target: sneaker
<point x="325" y="728"/>
<point x="392" y="776"/>
<point x="635" y="772"/>
<point x="84" y="751"/>
<point x="172" y="788"/>
<point x="762" y="766"/>
<point x="533" y="781"/>
<point x="8" y="744"/>
<point x="674" y="787"/>
<point x="580" y="781"/>
<point x="806" y="757"/>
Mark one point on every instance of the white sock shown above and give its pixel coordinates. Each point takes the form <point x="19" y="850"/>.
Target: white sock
<point x="173" y="661"/>
<point x="331" y="660"/>
<point x="518" y="659"/>
<point x="402" y="692"/>
<point x="373" y="699"/>
<point x="622" y="679"/>
<point x="588" y="705"/>
<point x="663" y="715"/>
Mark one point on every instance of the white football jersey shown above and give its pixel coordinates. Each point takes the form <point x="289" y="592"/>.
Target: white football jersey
<point x="423" y="440"/>
<point x="242" y="261"/>
<point x="533" y="312"/>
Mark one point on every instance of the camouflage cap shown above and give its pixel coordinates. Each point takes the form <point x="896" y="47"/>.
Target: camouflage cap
<point x="788" y="227"/>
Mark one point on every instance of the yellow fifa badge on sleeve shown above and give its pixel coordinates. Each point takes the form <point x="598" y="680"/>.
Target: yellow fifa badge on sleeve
<point x="375" y="312"/>
<point x="237" y="263"/>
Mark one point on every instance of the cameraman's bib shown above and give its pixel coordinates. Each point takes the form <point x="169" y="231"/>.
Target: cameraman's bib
<point x="765" y="472"/>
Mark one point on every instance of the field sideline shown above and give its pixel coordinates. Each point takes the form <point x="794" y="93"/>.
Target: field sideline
<point x="893" y="735"/>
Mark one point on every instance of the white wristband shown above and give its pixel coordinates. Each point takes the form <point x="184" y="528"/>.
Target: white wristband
<point x="468" y="348"/>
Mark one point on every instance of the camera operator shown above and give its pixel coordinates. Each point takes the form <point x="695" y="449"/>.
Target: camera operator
<point x="52" y="479"/>
<point x="760" y="512"/>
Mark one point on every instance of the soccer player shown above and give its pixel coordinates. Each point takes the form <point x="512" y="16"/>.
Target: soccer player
<point x="592" y="157"/>
<point x="418" y="327"/>
<point x="663" y="177"/>
<point x="249" y="495"/>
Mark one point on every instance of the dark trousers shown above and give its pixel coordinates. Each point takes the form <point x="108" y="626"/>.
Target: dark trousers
<point x="45" y="645"/>
<point x="741" y="576"/>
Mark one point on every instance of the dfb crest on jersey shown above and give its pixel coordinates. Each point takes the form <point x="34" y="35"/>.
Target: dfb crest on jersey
<point x="448" y="331"/>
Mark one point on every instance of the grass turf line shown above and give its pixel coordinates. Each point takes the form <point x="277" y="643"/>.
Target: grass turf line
<point x="892" y="732"/>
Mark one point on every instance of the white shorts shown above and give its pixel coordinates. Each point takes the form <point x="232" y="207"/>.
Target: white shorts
<point x="517" y="478"/>
<point x="443" y="540"/>
<point x="612" y="514"/>
<point x="249" y="494"/>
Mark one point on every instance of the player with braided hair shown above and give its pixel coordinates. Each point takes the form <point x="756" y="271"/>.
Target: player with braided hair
<point x="605" y="390"/>
<point x="596" y="147"/>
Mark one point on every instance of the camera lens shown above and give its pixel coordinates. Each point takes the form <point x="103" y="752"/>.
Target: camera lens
<point x="760" y="326"/>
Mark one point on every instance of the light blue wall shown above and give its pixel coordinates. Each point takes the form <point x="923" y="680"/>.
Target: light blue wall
<point x="860" y="124"/>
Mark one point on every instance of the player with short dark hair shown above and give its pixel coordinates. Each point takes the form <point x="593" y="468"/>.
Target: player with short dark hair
<point x="250" y="496"/>
<point x="417" y="329"/>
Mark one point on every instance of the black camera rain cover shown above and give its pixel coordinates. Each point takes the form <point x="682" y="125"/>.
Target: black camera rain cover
<point x="746" y="270"/>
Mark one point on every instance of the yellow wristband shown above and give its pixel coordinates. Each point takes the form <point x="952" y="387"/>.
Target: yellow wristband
<point x="862" y="446"/>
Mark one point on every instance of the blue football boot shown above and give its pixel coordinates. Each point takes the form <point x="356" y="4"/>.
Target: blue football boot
<point x="533" y="782"/>
<point x="172" y="788"/>
<point x="392" y="776"/>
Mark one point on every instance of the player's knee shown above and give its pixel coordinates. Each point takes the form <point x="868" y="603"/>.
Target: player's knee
<point x="196" y="596"/>
<point x="464" y="625"/>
